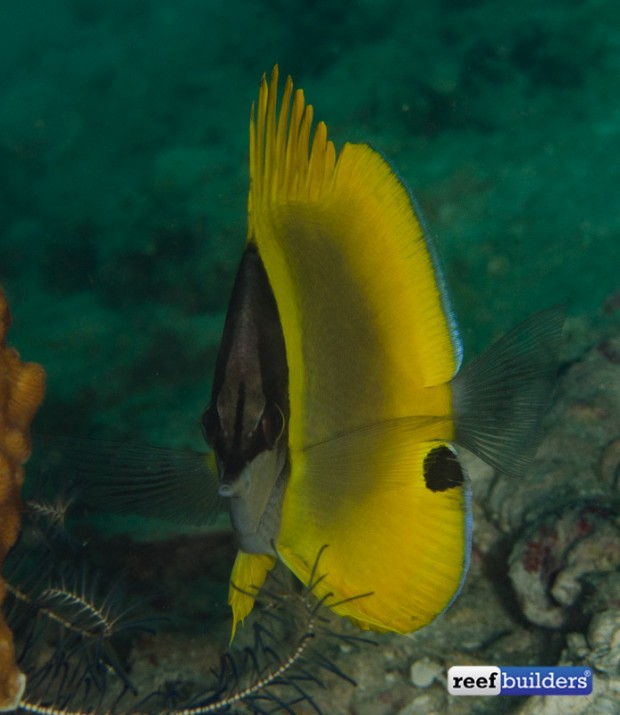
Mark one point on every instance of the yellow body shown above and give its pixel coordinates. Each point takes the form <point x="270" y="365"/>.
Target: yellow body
<point x="370" y="355"/>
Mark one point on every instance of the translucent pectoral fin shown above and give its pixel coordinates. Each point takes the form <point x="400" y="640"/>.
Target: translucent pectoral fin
<point x="248" y="575"/>
<point x="174" y="485"/>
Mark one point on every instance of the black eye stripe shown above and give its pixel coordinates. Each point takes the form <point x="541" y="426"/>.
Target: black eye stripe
<point x="238" y="433"/>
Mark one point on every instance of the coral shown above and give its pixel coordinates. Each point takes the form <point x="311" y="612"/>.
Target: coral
<point x="21" y="390"/>
<point x="553" y="561"/>
<point x="68" y="635"/>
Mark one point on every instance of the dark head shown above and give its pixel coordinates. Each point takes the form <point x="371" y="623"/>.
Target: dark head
<point x="246" y="421"/>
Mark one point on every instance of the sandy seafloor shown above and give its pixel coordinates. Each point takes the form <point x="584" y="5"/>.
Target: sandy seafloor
<point x="123" y="184"/>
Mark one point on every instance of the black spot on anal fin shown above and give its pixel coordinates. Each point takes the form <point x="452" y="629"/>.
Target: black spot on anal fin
<point x="442" y="470"/>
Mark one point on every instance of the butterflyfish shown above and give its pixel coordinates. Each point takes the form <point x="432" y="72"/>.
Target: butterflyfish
<point x="338" y="395"/>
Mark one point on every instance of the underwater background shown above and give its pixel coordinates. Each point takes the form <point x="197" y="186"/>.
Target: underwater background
<point x="123" y="170"/>
<point x="123" y="197"/>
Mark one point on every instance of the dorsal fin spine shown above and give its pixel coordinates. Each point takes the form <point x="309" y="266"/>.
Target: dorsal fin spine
<point x="288" y="159"/>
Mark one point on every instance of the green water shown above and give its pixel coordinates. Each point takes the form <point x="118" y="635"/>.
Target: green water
<point x="123" y="171"/>
<point x="124" y="177"/>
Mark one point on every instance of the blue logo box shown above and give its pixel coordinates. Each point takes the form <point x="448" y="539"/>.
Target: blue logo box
<point x="519" y="680"/>
<point x="539" y="680"/>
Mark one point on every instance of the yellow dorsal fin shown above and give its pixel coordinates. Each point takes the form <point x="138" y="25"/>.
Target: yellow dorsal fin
<point x="358" y="294"/>
<point x="281" y="167"/>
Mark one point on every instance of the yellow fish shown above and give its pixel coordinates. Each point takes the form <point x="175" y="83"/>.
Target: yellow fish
<point x="338" y="392"/>
<point x="336" y="397"/>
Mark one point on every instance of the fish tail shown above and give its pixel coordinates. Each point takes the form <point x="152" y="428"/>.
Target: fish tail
<point x="500" y="398"/>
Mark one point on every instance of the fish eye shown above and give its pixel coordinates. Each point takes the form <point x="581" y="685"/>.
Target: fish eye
<point x="272" y="424"/>
<point x="210" y="422"/>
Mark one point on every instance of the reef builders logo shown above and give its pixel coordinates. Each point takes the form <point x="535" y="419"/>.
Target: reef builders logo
<point x="519" y="680"/>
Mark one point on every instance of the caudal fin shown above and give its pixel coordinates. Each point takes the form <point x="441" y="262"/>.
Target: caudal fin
<point x="500" y="397"/>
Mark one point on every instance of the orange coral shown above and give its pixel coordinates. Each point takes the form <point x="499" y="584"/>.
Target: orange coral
<point x="21" y="390"/>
